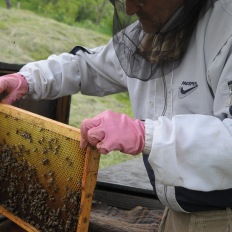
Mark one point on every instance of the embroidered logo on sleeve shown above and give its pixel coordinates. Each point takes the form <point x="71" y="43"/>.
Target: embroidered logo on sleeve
<point x="186" y="88"/>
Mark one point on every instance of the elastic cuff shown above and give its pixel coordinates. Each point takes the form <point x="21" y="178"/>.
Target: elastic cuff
<point x="29" y="81"/>
<point x="149" y="131"/>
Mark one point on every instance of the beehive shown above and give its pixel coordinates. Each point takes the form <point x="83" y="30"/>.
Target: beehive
<point x="46" y="180"/>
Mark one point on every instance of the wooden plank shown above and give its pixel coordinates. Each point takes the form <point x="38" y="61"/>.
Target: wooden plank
<point x="127" y="175"/>
<point x="88" y="186"/>
<point x="17" y="220"/>
<point x="6" y="68"/>
<point x="63" y="109"/>
<point x="125" y="200"/>
<point x="126" y="185"/>
<point x="43" y="122"/>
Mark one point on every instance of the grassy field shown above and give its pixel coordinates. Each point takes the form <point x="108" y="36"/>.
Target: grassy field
<point x="27" y="37"/>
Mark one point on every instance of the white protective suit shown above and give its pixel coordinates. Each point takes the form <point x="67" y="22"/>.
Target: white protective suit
<point x="191" y="145"/>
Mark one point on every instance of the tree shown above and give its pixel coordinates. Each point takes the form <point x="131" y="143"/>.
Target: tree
<point x="8" y="4"/>
<point x="94" y="10"/>
<point x="100" y="10"/>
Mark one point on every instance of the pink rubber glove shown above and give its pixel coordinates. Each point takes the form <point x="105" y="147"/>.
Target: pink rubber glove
<point x="110" y="131"/>
<point x="14" y="86"/>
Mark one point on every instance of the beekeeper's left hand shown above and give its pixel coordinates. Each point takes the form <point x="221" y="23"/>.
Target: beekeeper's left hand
<point x="110" y="131"/>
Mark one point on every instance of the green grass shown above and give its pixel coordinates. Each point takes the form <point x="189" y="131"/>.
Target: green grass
<point x="27" y="37"/>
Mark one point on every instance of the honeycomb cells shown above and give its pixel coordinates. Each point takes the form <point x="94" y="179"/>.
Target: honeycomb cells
<point x="40" y="174"/>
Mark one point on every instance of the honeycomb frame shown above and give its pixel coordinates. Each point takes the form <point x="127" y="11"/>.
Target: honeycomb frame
<point x="43" y="167"/>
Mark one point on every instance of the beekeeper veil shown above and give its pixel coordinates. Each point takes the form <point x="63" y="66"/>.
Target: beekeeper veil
<point x="147" y="56"/>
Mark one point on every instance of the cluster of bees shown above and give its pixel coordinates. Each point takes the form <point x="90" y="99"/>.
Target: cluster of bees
<point x="23" y="194"/>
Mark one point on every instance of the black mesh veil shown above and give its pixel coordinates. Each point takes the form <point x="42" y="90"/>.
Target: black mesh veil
<point x="147" y="56"/>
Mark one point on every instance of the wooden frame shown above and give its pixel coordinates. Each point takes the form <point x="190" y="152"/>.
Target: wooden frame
<point x="90" y="167"/>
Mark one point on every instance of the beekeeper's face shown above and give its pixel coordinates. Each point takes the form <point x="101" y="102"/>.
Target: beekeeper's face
<point x="153" y="14"/>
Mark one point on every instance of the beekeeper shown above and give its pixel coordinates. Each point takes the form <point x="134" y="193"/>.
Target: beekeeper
<point x="175" y="61"/>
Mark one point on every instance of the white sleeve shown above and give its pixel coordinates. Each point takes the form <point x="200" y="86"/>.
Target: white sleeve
<point x="94" y="73"/>
<point x="192" y="151"/>
<point x="52" y="78"/>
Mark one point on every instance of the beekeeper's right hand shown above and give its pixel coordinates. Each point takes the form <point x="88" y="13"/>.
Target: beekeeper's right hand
<point x="111" y="131"/>
<point x="15" y="86"/>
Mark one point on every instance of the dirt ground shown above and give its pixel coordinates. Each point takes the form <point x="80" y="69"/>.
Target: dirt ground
<point x="105" y="218"/>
